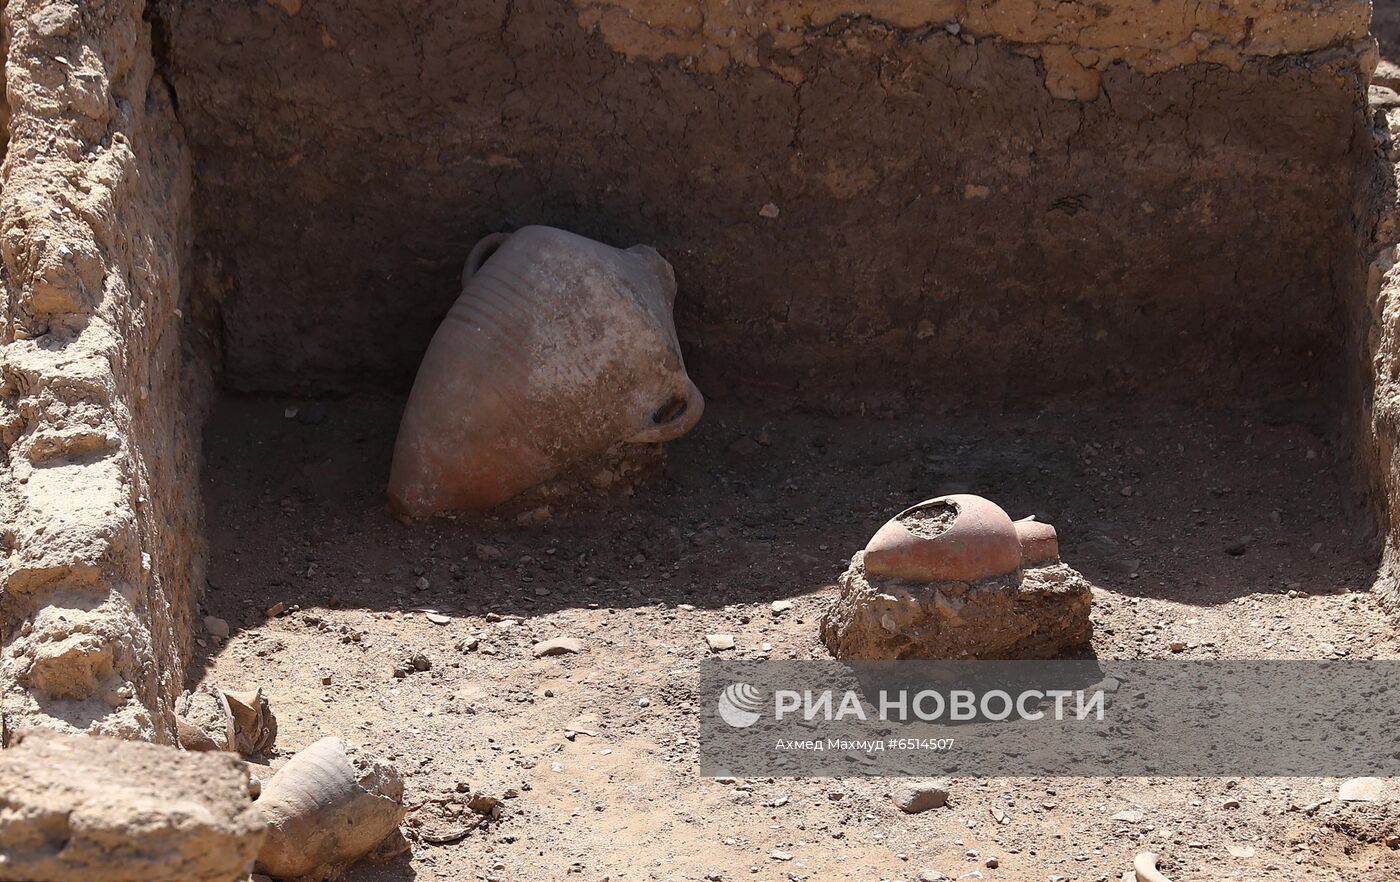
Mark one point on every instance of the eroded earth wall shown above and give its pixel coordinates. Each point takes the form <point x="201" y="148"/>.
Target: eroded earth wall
<point x="894" y="203"/>
<point x="98" y="502"/>
<point x="1380" y="191"/>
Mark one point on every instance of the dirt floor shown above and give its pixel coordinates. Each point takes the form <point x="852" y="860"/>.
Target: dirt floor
<point x="1234" y="533"/>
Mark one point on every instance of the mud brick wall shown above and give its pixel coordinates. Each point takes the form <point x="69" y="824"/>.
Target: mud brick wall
<point x="907" y="204"/>
<point x="99" y="518"/>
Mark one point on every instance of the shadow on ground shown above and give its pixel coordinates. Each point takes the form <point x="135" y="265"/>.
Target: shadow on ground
<point x="1199" y="508"/>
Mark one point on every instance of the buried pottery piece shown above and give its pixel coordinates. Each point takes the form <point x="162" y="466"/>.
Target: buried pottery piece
<point x="254" y="726"/>
<point x="330" y="806"/>
<point x="956" y="578"/>
<point x="558" y="348"/>
<point x="216" y="719"/>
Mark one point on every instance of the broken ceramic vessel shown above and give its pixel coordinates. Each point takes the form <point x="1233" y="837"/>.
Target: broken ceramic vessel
<point x="955" y="577"/>
<point x="962" y="538"/>
<point x="218" y="719"/>
<point x="557" y="348"/>
<point x="330" y="806"/>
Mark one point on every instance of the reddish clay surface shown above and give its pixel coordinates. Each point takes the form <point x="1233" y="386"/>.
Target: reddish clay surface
<point x="980" y="543"/>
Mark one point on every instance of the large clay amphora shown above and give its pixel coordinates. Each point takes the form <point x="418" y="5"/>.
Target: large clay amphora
<point x="557" y="348"/>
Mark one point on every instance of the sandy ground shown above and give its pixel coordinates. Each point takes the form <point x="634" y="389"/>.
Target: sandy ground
<point x="1235" y="533"/>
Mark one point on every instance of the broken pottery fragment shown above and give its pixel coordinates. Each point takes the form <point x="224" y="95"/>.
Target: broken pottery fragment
<point x="204" y="722"/>
<point x="330" y="806"/>
<point x="558" y="348"/>
<point x="215" y="719"/>
<point x="956" y="578"/>
<point x="254" y="726"/>
<point x="1145" y="868"/>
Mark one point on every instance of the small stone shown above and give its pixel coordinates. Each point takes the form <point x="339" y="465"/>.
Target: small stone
<point x="487" y="552"/>
<point x="1127" y="490"/>
<point x="326" y="680"/>
<point x="421" y="662"/>
<point x="644" y="702"/>
<point x="720" y="642"/>
<point x="558" y="646"/>
<point x="1239" y="546"/>
<point x="780" y="855"/>
<point x="1177" y="646"/>
<point x="992" y="863"/>
<point x="276" y="609"/>
<point x="1241" y="851"/>
<point x="216" y="627"/>
<point x="484" y="804"/>
<point x="438" y="618"/>
<point x="931" y="876"/>
<point x="744" y="447"/>
<point x="1361" y="790"/>
<point x="535" y="516"/>
<point x="781" y="606"/>
<point x="1230" y="804"/>
<point x="1128" y="817"/>
<point x="769" y="210"/>
<point x="915" y="798"/>
<point x="422" y="584"/>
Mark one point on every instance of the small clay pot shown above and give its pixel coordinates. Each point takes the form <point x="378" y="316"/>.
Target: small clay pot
<point x="979" y="541"/>
<point x="557" y="348"/>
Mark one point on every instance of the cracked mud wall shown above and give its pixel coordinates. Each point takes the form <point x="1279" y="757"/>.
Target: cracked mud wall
<point x="102" y="543"/>
<point x="861" y="209"/>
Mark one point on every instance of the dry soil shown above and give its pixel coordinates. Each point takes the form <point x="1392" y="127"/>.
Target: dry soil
<point x="1234" y="533"/>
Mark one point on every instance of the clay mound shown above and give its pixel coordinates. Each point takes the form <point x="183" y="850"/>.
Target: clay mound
<point x="1035" y="614"/>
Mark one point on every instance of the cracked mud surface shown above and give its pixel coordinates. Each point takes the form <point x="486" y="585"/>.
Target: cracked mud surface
<point x="1193" y="527"/>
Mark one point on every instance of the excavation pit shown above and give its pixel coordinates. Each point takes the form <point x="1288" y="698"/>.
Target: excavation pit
<point x="1128" y="269"/>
